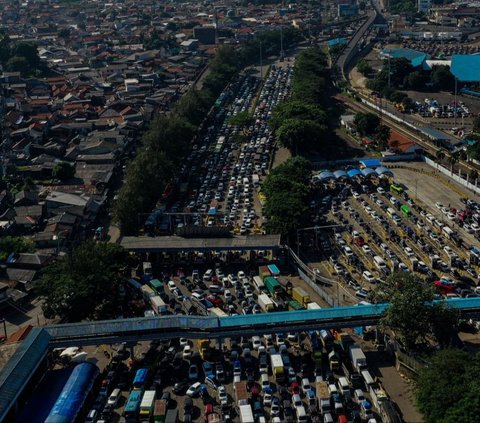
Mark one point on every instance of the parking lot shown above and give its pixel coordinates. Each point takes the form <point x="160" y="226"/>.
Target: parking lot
<point x="424" y="228"/>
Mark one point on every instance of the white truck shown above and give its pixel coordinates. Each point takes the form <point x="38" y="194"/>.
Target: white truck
<point x="246" y="413"/>
<point x="266" y="303"/>
<point x="323" y="397"/>
<point x="313" y="306"/>
<point x="277" y="367"/>
<point x="158" y="305"/>
<point x="359" y="361"/>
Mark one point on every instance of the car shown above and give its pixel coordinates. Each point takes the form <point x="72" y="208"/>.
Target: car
<point x="180" y="388"/>
<point x="306" y="385"/>
<point x="256" y="342"/>
<point x="295" y="388"/>
<point x="267" y="398"/>
<point x="187" y="351"/>
<point x="380" y="190"/>
<point x="275" y="407"/>
<point x="183" y="342"/>
<point x="113" y="398"/>
<point x="356" y="195"/>
<point x="171" y="285"/>
<point x="222" y="395"/>
<point x="368" y="276"/>
<point x="439" y="205"/>
<point x="219" y="372"/>
<point x="207" y="369"/>
<point x="366" y="249"/>
<point x="296" y="400"/>
<point x="409" y="252"/>
<point x="194" y="389"/>
<point x="193" y="372"/>
<point x="348" y="251"/>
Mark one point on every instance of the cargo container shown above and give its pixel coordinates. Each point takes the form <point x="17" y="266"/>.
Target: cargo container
<point x="278" y="370"/>
<point x="273" y="286"/>
<point x="258" y="284"/>
<point x="263" y="272"/>
<point x="301" y="296"/>
<point x="359" y="361"/>
<point x="158" y="305"/>
<point x="265" y="302"/>
<point x="146" y="406"/>
<point x="323" y="396"/>
<point x="241" y="393"/>
<point x="273" y="269"/>
<point x="246" y="414"/>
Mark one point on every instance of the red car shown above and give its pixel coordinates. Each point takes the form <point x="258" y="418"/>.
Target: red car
<point x="359" y="241"/>
<point x="217" y="302"/>
<point x="295" y="388"/>
<point x="208" y="410"/>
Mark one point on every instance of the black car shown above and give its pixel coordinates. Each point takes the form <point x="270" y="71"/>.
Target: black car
<point x="288" y="413"/>
<point x="180" y="388"/>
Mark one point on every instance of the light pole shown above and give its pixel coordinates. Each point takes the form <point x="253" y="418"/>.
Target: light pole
<point x="261" y="67"/>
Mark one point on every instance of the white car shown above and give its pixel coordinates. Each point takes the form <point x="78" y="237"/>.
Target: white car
<point x="409" y="252"/>
<point x="368" y="276"/>
<point x="356" y="195"/>
<point x="194" y="390"/>
<point x="380" y="190"/>
<point x="348" y="251"/>
<point x="187" y="351"/>
<point x="267" y="399"/>
<point x="222" y="395"/>
<point x="183" y="342"/>
<point x="171" y="285"/>
<point x="256" y="342"/>
<point x="439" y="205"/>
<point x="366" y="249"/>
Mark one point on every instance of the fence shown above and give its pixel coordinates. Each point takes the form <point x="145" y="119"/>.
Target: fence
<point x="451" y="175"/>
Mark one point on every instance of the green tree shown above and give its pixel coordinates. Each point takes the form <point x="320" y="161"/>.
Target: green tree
<point x="63" y="171"/>
<point x="366" y="123"/>
<point x="84" y="284"/>
<point x="15" y="245"/>
<point x="382" y="136"/>
<point x="442" y="78"/>
<point x="242" y="120"/>
<point x="441" y="154"/>
<point x="416" y="80"/>
<point x="301" y="135"/>
<point x="363" y="66"/>
<point x="293" y="109"/>
<point x="18" y="64"/>
<point x="476" y="125"/>
<point x="411" y="313"/>
<point x="447" y="390"/>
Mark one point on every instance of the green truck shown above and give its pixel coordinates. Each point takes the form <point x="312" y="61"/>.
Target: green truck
<point x="294" y="305"/>
<point x="273" y="286"/>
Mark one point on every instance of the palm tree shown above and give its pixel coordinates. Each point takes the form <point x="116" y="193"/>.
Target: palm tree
<point x="441" y="154"/>
<point x="452" y="159"/>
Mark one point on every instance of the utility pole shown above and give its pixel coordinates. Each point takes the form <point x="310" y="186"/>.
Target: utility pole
<point x="261" y="66"/>
<point x="389" y="69"/>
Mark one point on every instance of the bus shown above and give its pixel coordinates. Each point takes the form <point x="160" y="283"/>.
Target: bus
<point x="405" y="210"/>
<point x="132" y="406"/>
<point x="216" y="311"/>
<point x="396" y="188"/>
<point x="140" y="379"/>
<point x="157" y="286"/>
<point x="146" y="406"/>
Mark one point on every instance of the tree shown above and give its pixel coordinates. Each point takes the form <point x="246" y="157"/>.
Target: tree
<point x="416" y="80"/>
<point x="300" y="135"/>
<point x="242" y="120"/>
<point x="452" y="159"/>
<point x="366" y="123"/>
<point x="18" y="64"/>
<point x="363" y="66"/>
<point x="84" y="284"/>
<point x="411" y="313"/>
<point x="442" y="78"/>
<point x="440" y="154"/>
<point x="476" y="125"/>
<point x="15" y="245"/>
<point x="448" y="390"/>
<point x="296" y="109"/>
<point x="63" y="171"/>
<point x="382" y="136"/>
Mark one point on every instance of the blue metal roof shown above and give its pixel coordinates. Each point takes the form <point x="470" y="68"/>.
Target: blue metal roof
<point x="336" y="41"/>
<point x="465" y="67"/>
<point x="368" y="172"/>
<point x="354" y="172"/>
<point x="326" y="175"/>
<point x="18" y="370"/>
<point x="370" y="162"/>
<point x="383" y="170"/>
<point x="416" y="58"/>
<point x="73" y="395"/>
<point x="340" y="174"/>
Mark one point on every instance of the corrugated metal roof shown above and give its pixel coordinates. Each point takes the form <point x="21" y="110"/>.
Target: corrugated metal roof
<point x="17" y="372"/>
<point x="176" y="243"/>
<point x="465" y="67"/>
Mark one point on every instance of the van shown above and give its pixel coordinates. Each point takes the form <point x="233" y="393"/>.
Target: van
<point x="302" y="415"/>
<point x="358" y="395"/>
<point x="215" y="289"/>
<point x="327" y="418"/>
<point x="367" y="377"/>
<point x="147" y="268"/>
<point x="113" y="398"/>
<point x="391" y="211"/>
<point x="379" y="263"/>
<point x="344" y="387"/>
<point x="208" y="275"/>
<point x="264" y="381"/>
<point x="447" y="232"/>
<point x="91" y="416"/>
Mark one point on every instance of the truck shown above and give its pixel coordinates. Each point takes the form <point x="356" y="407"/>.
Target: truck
<point x="301" y="296"/>
<point x="313" y="306"/>
<point x="146" y="406"/>
<point x="158" y="305"/>
<point x="333" y="360"/>
<point x="294" y="305"/>
<point x="277" y="367"/>
<point x="359" y="361"/>
<point x="258" y="284"/>
<point x="241" y="393"/>
<point x="266" y="304"/>
<point x="323" y="397"/>
<point x="263" y="272"/>
<point x="344" y="340"/>
<point x="160" y="411"/>
<point x="273" y="286"/>
<point x="246" y="414"/>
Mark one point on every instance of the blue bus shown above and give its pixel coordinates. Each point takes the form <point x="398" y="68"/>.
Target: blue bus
<point x="132" y="406"/>
<point x="140" y="379"/>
